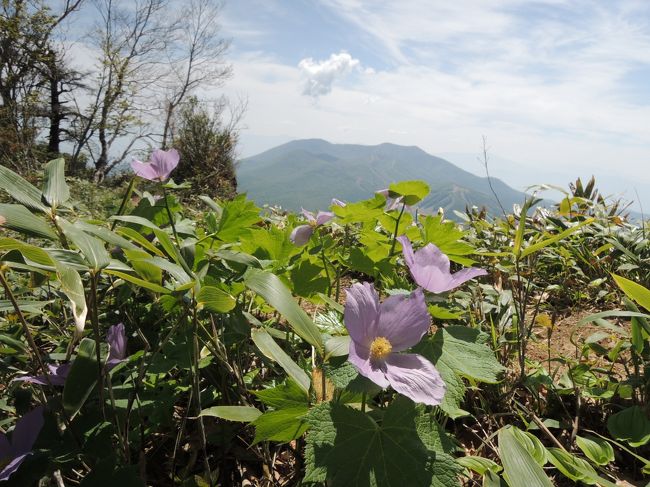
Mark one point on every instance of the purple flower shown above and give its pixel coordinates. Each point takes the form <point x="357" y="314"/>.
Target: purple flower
<point x="160" y="166"/>
<point x="116" y="338"/>
<point x="379" y="331"/>
<point x="301" y="234"/>
<point x="12" y="453"/>
<point x="57" y="374"/>
<point x="391" y="203"/>
<point x="430" y="268"/>
<point x="338" y="202"/>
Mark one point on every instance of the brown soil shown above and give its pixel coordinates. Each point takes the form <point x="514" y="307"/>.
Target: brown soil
<point x="567" y="342"/>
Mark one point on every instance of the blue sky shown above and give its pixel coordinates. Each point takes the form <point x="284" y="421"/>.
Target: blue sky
<point x="560" y="88"/>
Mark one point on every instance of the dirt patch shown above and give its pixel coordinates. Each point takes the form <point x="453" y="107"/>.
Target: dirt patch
<point x="568" y="341"/>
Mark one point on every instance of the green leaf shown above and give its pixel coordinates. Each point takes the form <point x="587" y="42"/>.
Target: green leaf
<point x="308" y="279"/>
<point x="576" y="468"/>
<point x="520" y="468"/>
<point x="82" y="377"/>
<point x="134" y="236"/>
<point x="289" y="395"/>
<point x="606" y="314"/>
<point x="282" y="425"/>
<point x="135" y="220"/>
<point x="337" y="346"/>
<point x="361" y="211"/>
<point x="55" y="189"/>
<point x="460" y="351"/>
<point x="26" y="305"/>
<point x="215" y="300"/>
<point x="555" y="238"/>
<point x="346" y="447"/>
<point x="465" y="351"/>
<point x="480" y="465"/>
<point x="72" y="286"/>
<point x="29" y="252"/>
<point x="272" y="350"/>
<point x="412" y="192"/>
<point x="106" y="235"/>
<point x="630" y="425"/>
<point x="519" y="235"/>
<point x="91" y="248"/>
<point x="634" y="291"/>
<point x="491" y="479"/>
<point x="244" y="414"/>
<point x="532" y="445"/>
<point x="20" y="219"/>
<point x="446" y="236"/>
<point x="597" y="450"/>
<point x="455" y="393"/>
<point x="237" y="215"/>
<point x="273" y="290"/>
<point x="139" y="282"/>
<point x="21" y="190"/>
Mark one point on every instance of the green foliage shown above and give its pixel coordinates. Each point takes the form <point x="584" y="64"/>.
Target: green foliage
<point x="207" y="150"/>
<point x="235" y="343"/>
<point x="631" y="425"/>
<point x="519" y="466"/>
<point x="347" y="447"/>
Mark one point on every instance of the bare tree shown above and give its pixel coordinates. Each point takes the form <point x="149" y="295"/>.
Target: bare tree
<point x="26" y="57"/>
<point x="196" y="58"/>
<point x="132" y="38"/>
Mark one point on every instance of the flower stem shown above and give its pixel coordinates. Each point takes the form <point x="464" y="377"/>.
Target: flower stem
<point x="327" y="272"/>
<point x="94" y="319"/>
<point x="171" y="218"/>
<point x="125" y="198"/>
<point x="392" y="247"/>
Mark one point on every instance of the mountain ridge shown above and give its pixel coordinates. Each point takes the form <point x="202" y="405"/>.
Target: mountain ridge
<point x="310" y="172"/>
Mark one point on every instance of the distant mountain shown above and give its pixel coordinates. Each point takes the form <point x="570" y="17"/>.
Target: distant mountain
<point x="309" y="173"/>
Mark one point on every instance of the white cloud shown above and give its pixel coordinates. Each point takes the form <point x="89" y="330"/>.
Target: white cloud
<point x="556" y="86"/>
<point x="319" y="76"/>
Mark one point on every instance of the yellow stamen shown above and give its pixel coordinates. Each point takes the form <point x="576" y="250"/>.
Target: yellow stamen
<point x="380" y="348"/>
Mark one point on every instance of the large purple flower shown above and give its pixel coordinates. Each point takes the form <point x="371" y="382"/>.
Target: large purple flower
<point x="57" y="374"/>
<point x="430" y="268"/>
<point x="301" y="234"/>
<point x="14" y="452"/>
<point x="160" y="166"/>
<point x="379" y="331"/>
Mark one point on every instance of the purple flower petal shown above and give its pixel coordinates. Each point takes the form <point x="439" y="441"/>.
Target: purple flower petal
<point x="301" y="235"/>
<point x="12" y="466"/>
<point x="430" y="268"/>
<point x="165" y="162"/>
<point x="57" y="376"/>
<point x="116" y="338"/>
<point x="323" y="217"/>
<point x="338" y="202"/>
<point x="465" y="275"/>
<point x="359" y="356"/>
<point x="415" y="377"/>
<point x="308" y="215"/>
<point x="26" y="431"/>
<point x="361" y="313"/>
<point x="146" y="171"/>
<point x="403" y="320"/>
